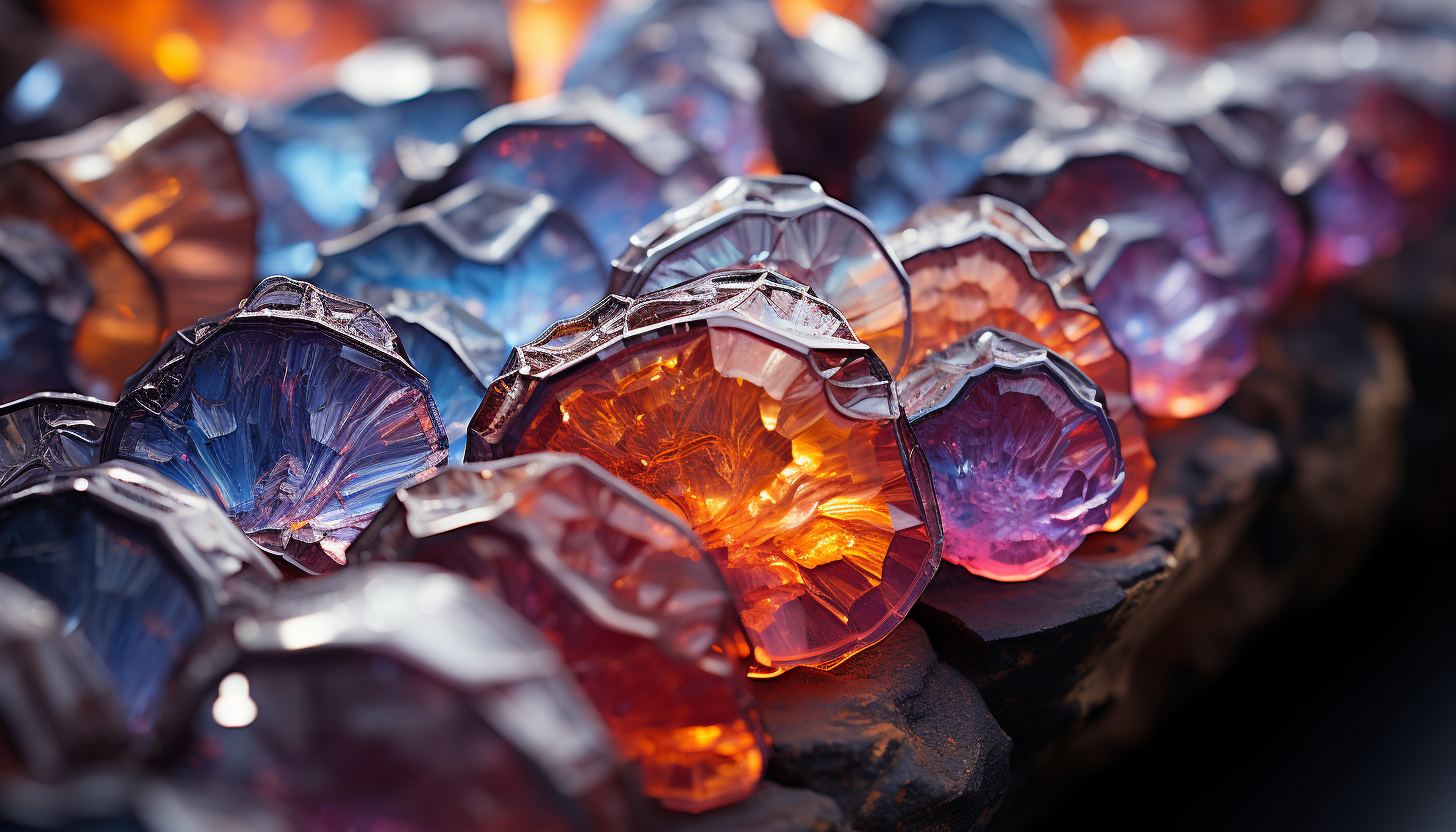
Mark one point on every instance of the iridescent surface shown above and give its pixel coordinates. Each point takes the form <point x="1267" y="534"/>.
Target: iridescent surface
<point x="43" y="294"/>
<point x="111" y="578"/>
<point x="49" y="434"/>
<point x="325" y="166"/>
<point x="621" y="587"/>
<point x="921" y="32"/>
<point x="1023" y="469"/>
<point x="1186" y="333"/>
<point x="518" y="287"/>
<point x="810" y="514"/>
<point x="298" y="436"/>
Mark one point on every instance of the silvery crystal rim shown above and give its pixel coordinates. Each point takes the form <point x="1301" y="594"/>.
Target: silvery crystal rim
<point x="529" y="211"/>
<point x="1148" y="77"/>
<point x="437" y="623"/>
<point x="942" y="225"/>
<point x="74" y="399"/>
<point x="474" y="494"/>
<point x="1422" y="64"/>
<point x="1108" y="236"/>
<point x="970" y="67"/>
<point x="718" y="298"/>
<point x="212" y="549"/>
<point x="649" y="139"/>
<point x="442" y="317"/>
<point x="1082" y="131"/>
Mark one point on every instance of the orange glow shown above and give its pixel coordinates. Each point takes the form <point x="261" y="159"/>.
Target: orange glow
<point x="795" y="15"/>
<point x="288" y="18"/>
<point x="545" y="36"/>
<point x="178" y="57"/>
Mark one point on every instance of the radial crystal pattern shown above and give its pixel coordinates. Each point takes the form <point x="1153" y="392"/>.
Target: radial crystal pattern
<point x="510" y="257"/>
<point x="49" y="433"/>
<point x="984" y="262"/>
<point x="622" y="588"/>
<point x="743" y="403"/>
<point x="1024" y="459"/>
<point x="788" y="224"/>
<point x="298" y="413"/>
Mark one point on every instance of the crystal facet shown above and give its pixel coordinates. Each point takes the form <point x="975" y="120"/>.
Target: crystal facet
<point x="743" y="403"/>
<point x="621" y="586"/>
<point x="49" y="433"/>
<point x="923" y="31"/>
<point x="984" y="262"/>
<point x="788" y="224"/>
<point x="297" y="412"/>
<point x="44" y="293"/>
<point x="138" y="564"/>
<point x="392" y="696"/>
<point x="509" y="257"/>
<point x="1024" y="458"/>
<point x="611" y="170"/>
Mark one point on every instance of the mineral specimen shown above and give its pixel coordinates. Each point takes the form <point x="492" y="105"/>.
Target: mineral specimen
<point x="511" y="257"/>
<point x="621" y="586"/>
<point x="136" y="564"/>
<point x="49" y="433"/>
<point x="788" y="224"/>
<point x="44" y="292"/>
<point x="984" y="262"/>
<point x="1024" y="458"/>
<point x="348" y="686"/>
<point x="743" y="403"/>
<point x="297" y="412"/>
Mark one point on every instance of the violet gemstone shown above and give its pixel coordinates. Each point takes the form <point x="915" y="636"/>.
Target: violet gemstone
<point x="49" y="433"/>
<point x="44" y="293"/>
<point x="134" y="563"/>
<point x="1023" y="455"/>
<point x="1354" y="218"/>
<point x="393" y="696"/>
<point x="611" y="170"/>
<point x="508" y="256"/>
<point x="298" y="413"/>
<point x="923" y="31"/>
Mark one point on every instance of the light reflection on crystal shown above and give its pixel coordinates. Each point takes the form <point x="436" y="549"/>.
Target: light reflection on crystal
<point x="49" y="433"/>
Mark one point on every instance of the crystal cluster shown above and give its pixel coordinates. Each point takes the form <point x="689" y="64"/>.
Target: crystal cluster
<point x="622" y="587"/>
<point x="744" y="404"/>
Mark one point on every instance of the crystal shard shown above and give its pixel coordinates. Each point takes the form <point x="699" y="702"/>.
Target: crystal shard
<point x="743" y="403"/>
<point x="610" y="170"/>
<point x="297" y="412"/>
<point x="392" y="696"/>
<point x="1023" y="455"/>
<point x="510" y="257"/>
<point x="984" y="262"/>
<point x="137" y="564"/>
<point x="49" y="433"/>
<point x="44" y="292"/>
<point x="788" y="224"/>
<point x="621" y="586"/>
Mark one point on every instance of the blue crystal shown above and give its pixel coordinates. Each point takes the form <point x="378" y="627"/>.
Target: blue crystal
<point x="52" y="432"/>
<point x="332" y="162"/>
<point x="925" y="31"/>
<point x="43" y="294"/>
<point x="113" y="581"/>
<point x="508" y="257"/>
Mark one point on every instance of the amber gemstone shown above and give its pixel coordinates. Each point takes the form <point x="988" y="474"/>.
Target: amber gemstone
<point x="169" y="181"/>
<point x="123" y="324"/>
<point x="743" y="403"/>
<point x="985" y="262"/>
<point x="621" y="587"/>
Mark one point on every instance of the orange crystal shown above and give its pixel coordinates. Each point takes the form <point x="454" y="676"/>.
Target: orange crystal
<point x="123" y="325"/>
<point x="743" y="403"/>
<point x="985" y="262"/>
<point x="167" y="179"/>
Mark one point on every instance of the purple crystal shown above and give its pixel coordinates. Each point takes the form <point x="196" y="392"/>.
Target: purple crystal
<point x="298" y="413"/>
<point x="49" y="433"/>
<point x="1023" y="455"/>
<point x="509" y="257"/>
<point x="43" y="295"/>
<point x="393" y="696"/>
<point x="611" y="170"/>
<point x="1354" y="220"/>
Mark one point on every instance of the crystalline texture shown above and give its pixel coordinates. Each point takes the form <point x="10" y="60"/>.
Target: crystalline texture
<point x="49" y="433"/>
<point x="1024" y="459"/>
<point x="788" y="224"/>
<point x="765" y="425"/>
<point x="297" y="413"/>
<point x="43" y="294"/>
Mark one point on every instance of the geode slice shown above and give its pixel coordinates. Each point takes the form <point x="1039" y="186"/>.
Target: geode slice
<point x="49" y="433"/>
<point x="44" y="292"/>
<point x="511" y="257"/>
<point x="298" y="413"/>
<point x="743" y="403"/>
<point x="136" y="564"/>
<point x="784" y="223"/>
<point x="984" y="262"/>
<point x="622" y="587"/>
<point x="350" y="686"/>
<point x="1024" y="458"/>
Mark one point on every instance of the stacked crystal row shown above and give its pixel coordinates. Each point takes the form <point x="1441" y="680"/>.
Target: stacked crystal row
<point x="536" y="415"/>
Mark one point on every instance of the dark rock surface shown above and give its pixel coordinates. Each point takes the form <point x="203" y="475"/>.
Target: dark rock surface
<point x="771" y="808"/>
